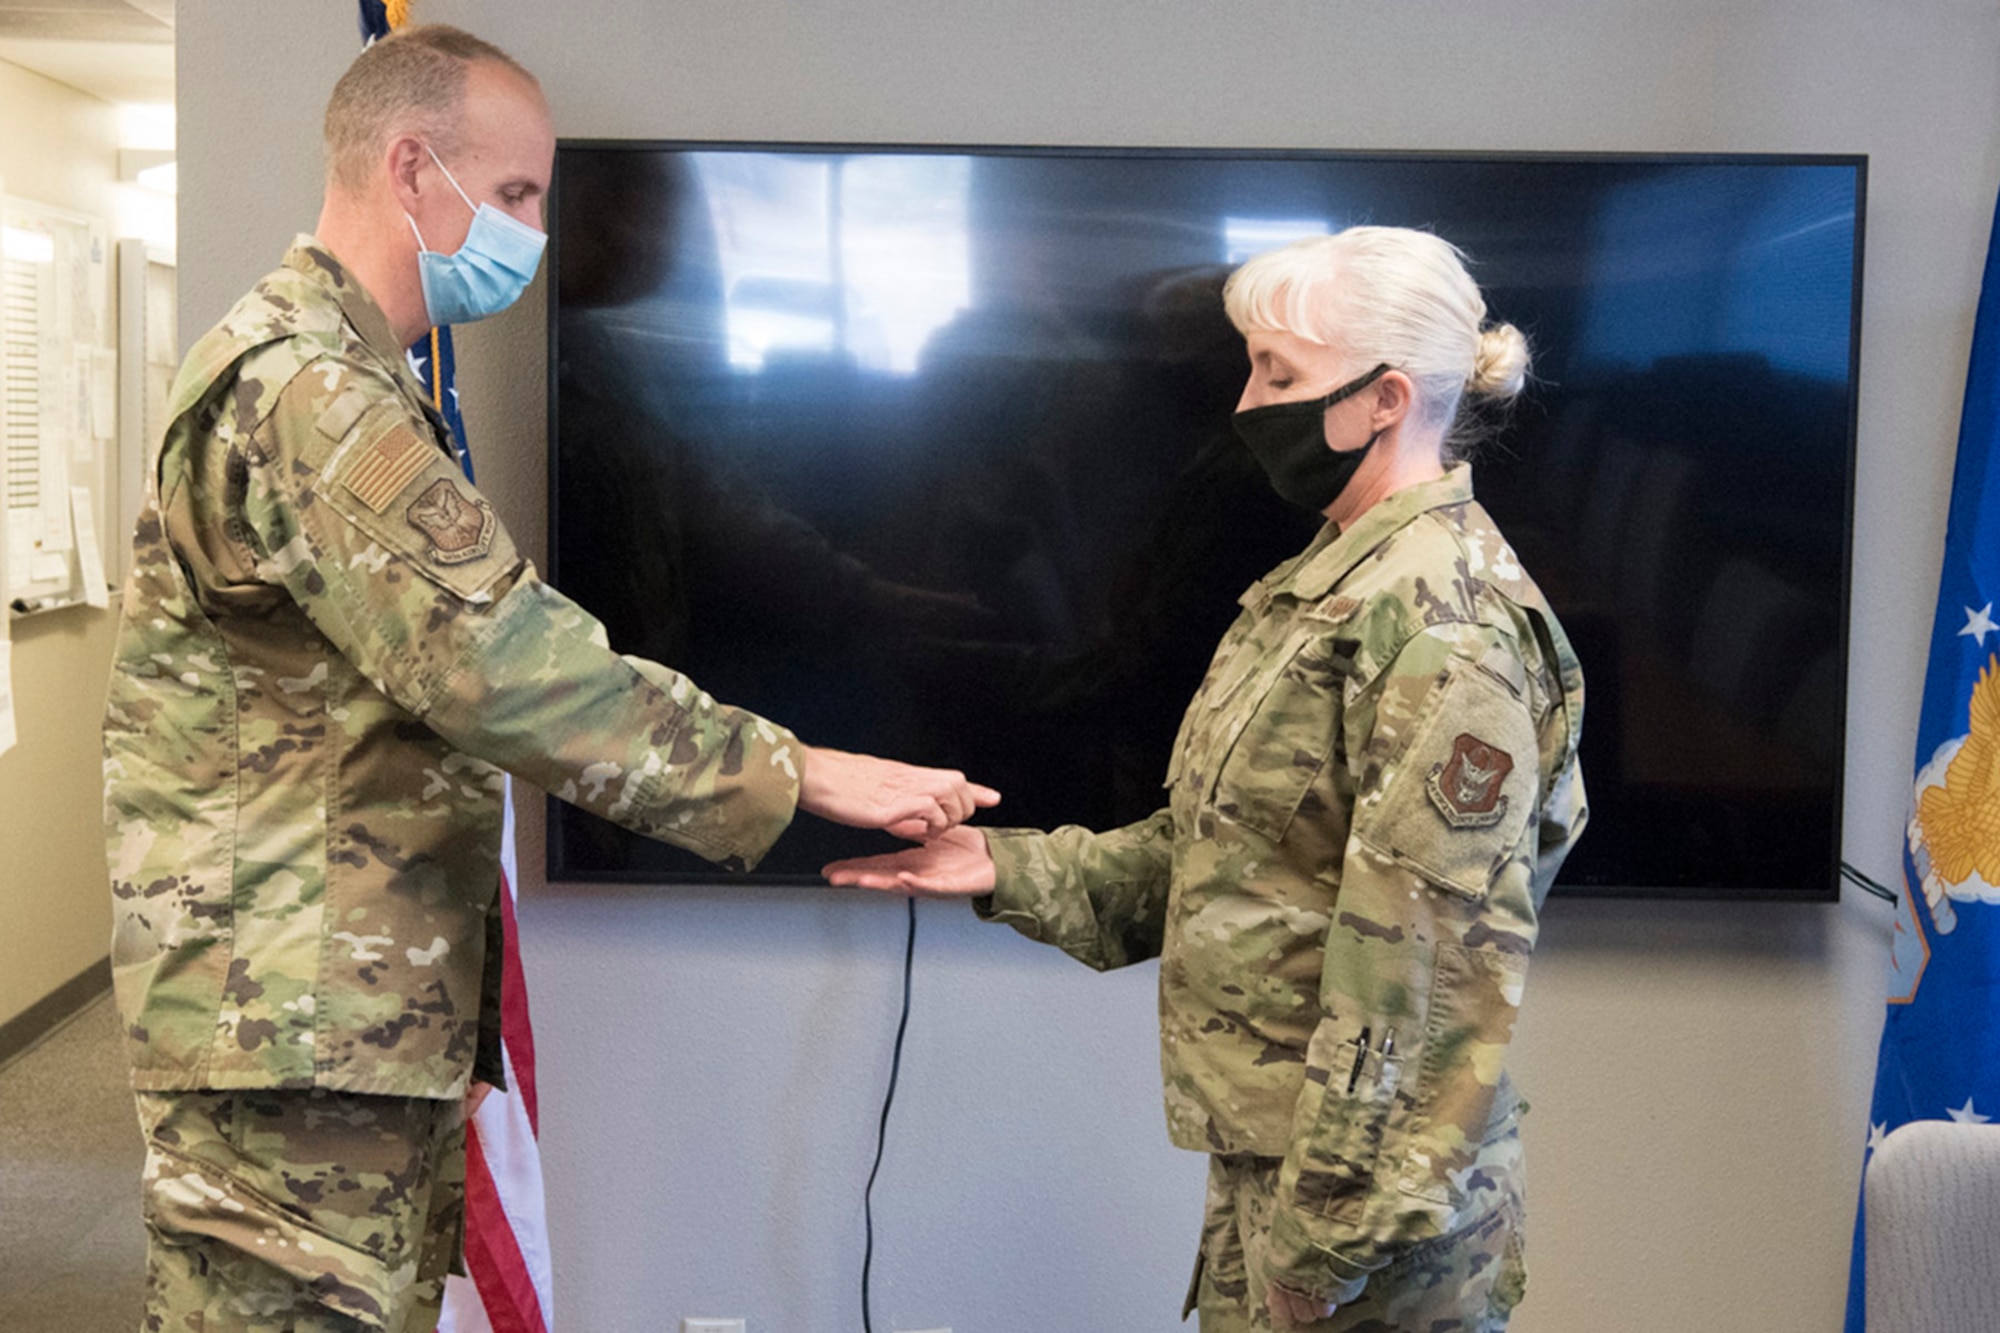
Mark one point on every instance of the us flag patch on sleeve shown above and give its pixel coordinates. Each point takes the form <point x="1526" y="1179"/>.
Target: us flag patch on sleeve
<point x="391" y="463"/>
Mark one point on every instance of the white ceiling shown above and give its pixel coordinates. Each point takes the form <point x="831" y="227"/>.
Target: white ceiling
<point x="119" y="50"/>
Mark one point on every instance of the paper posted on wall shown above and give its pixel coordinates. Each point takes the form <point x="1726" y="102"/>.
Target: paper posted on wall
<point x="6" y="691"/>
<point x="89" y="558"/>
<point x="103" y="393"/>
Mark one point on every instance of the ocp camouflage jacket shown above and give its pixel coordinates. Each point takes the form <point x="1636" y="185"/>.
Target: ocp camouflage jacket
<point x="330" y="649"/>
<point x="1368" y="800"/>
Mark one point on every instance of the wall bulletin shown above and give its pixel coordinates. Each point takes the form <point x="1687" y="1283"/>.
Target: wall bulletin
<point x="58" y="405"/>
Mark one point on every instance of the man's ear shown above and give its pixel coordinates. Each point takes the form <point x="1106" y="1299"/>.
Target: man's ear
<point x="404" y="159"/>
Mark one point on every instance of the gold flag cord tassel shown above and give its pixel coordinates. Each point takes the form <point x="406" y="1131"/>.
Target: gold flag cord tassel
<point x="399" y="12"/>
<point x="437" y="380"/>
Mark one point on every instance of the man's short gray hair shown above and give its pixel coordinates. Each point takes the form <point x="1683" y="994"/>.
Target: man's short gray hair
<point x="410" y="82"/>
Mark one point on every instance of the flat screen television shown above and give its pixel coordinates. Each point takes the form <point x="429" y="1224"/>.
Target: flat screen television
<point x="926" y="452"/>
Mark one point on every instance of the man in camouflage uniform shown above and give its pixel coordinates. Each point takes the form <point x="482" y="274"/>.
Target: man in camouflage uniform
<point x="1369" y="798"/>
<point x="331" y="649"/>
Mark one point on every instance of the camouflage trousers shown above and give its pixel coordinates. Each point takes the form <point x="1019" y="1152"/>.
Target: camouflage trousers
<point x="300" y="1211"/>
<point x="1465" y="1282"/>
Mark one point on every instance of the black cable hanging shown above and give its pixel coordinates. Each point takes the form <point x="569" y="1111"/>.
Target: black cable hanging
<point x="1853" y="876"/>
<point x="882" y="1129"/>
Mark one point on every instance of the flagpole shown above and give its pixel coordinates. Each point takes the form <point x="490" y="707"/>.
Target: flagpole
<point x="511" y="1284"/>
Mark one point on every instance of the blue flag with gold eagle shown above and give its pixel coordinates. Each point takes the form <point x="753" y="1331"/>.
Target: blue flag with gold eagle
<point x="1940" y="1053"/>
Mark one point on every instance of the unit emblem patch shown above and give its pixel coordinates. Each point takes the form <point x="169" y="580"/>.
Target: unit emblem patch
<point x="1466" y="787"/>
<point x="459" y="529"/>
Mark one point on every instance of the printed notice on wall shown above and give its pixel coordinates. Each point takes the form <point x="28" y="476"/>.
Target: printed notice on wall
<point x="90" y="560"/>
<point x="104" y="393"/>
<point x="6" y="695"/>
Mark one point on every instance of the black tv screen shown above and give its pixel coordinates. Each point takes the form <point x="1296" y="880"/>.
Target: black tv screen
<point x="926" y="452"/>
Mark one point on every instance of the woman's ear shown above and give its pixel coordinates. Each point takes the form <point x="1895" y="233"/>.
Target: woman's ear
<point x="1394" y="396"/>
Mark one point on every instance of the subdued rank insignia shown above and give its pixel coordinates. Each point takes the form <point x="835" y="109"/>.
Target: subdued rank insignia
<point x="1338" y="609"/>
<point x="459" y="529"/>
<point x="1466" y="787"/>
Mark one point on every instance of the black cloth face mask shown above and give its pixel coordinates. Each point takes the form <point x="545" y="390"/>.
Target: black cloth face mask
<point x="1289" y="439"/>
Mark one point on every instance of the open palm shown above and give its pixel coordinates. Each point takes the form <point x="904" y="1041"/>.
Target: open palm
<point x="954" y="864"/>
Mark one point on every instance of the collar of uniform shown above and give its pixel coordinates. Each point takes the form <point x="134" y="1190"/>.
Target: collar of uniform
<point x="316" y="262"/>
<point x="1317" y="574"/>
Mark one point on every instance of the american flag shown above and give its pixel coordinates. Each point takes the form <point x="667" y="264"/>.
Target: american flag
<point x="506" y="1231"/>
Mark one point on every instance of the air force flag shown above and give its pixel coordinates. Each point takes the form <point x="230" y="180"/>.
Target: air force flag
<point x="1940" y="1055"/>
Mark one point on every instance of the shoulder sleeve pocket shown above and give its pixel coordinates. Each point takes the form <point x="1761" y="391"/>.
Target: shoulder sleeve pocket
<point x="1457" y="802"/>
<point x="390" y="479"/>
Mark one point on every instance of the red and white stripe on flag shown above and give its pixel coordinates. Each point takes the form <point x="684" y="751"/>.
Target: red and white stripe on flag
<point x="506" y="1229"/>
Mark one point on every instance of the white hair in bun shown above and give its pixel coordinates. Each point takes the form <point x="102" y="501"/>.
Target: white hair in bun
<point x="1387" y="295"/>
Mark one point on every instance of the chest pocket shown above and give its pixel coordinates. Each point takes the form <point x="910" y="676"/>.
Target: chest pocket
<point x="1281" y="731"/>
<point x="1236" y="659"/>
<point x="1266" y="719"/>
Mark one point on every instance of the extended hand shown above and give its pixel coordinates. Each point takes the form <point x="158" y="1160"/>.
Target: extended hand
<point x="865" y="792"/>
<point x="955" y="864"/>
<point x="1294" y="1309"/>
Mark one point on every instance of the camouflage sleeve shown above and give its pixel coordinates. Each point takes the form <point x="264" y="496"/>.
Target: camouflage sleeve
<point x="1099" y="897"/>
<point x="406" y="570"/>
<point x="1425" y="962"/>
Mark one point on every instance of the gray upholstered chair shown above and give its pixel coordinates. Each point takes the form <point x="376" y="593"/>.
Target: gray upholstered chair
<point x="1933" y="1211"/>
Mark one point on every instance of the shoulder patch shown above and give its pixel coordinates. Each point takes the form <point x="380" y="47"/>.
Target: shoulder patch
<point x="460" y="529"/>
<point x="1466" y="787"/>
<point x="391" y="480"/>
<point x="387" y="466"/>
<point x="1456" y="801"/>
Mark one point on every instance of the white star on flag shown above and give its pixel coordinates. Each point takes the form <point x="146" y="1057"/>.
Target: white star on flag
<point x="1965" y="1115"/>
<point x="1979" y="623"/>
<point x="1877" y="1133"/>
<point x="416" y="363"/>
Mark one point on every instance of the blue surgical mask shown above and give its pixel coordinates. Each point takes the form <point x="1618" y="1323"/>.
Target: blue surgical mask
<point x="488" y="273"/>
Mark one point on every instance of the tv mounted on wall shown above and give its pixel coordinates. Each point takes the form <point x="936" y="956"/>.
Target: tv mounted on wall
<point x="926" y="452"/>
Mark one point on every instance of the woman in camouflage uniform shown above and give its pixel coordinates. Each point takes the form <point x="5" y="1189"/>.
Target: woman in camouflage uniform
<point x="1370" y="795"/>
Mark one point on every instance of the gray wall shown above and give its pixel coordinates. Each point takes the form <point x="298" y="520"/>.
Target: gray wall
<point x="713" y="1059"/>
